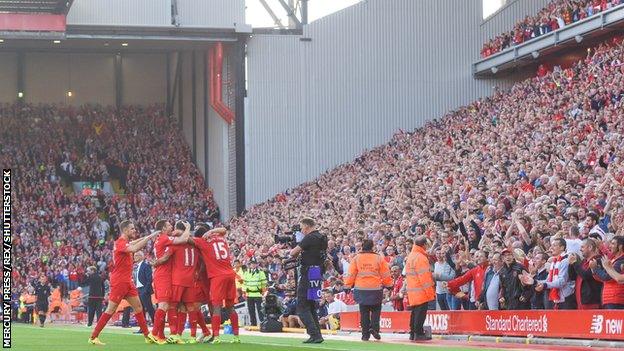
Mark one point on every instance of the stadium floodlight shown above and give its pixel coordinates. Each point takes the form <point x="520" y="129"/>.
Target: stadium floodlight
<point x="20" y="95"/>
<point x="494" y="69"/>
<point x="535" y="54"/>
<point x="578" y="38"/>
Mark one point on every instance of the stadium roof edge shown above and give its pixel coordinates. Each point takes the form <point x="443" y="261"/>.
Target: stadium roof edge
<point x="571" y="35"/>
<point x="36" y="6"/>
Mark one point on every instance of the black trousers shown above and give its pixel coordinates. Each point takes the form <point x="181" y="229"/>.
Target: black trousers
<point x="125" y="318"/>
<point x="27" y="316"/>
<point x="146" y="302"/>
<point x="306" y="309"/>
<point x="417" y="319"/>
<point x="369" y="319"/>
<point x="568" y="304"/>
<point x="94" y="308"/>
<point x="255" y="304"/>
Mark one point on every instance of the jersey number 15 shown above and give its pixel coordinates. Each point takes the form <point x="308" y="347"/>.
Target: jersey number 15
<point x="220" y="250"/>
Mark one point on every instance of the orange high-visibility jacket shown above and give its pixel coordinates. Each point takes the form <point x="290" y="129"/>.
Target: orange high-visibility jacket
<point x="368" y="274"/>
<point x="420" y="285"/>
<point x="75" y="297"/>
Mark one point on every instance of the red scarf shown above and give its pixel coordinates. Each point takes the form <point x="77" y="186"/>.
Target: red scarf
<point x="553" y="295"/>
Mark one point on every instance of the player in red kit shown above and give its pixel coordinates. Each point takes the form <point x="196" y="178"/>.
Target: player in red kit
<point x="200" y="294"/>
<point x="185" y="259"/>
<point x="216" y="255"/>
<point x="121" y="284"/>
<point x="162" y="277"/>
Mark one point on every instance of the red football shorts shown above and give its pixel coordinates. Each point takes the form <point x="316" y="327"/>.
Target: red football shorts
<point x="182" y="294"/>
<point x="120" y="291"/>
<point x="205" y="292"/>
<point x="223" y="287"/>
<point x="162" y="290"/>
<point x="196" y="295"/>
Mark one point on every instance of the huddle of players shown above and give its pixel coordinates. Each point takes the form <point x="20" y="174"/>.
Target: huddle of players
<point x="189" y="271"/>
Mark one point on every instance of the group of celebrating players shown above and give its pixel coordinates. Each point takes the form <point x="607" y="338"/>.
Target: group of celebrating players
<point x="189" y="271"/>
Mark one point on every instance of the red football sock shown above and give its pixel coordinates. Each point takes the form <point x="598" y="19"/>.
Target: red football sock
<point x="159" y="321"/>
<point x="216" y="324"/>
<point x="202" y="323"/>
<point x="104" y="318"/>
<point x="181" y="322"/>
<point x="172" y="318"/>
<point x="140" y="317"/>
<point x="193" y="323"/>
<point x="234" y="321"/>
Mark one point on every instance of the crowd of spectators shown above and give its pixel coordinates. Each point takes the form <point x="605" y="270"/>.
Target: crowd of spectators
<point x="500" y="187"/>
<point x="59" y="233"/>
<point x="558" y="14"/>
<point x="515" y="191"/>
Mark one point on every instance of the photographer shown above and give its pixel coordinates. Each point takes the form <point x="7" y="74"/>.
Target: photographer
<point x="313" y="251"/>
<point x="289" y="317"/>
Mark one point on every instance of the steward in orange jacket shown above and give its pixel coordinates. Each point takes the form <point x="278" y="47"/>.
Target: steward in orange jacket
<point x="420" y="287"/>
<point x="368" y="274"/>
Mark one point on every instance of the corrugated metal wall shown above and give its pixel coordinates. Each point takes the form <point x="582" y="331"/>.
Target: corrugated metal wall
<point x="369" y="70"/>
<point x="211" y="13"/>
<point x="222" y="14"/>
<point x="215" y="144"/>
<point x="121" y="12"/>
<point x="508" y="15"/>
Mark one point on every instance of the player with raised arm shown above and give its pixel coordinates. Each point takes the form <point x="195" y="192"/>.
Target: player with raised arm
<point x="121" y="284"/>
<point x="201" y="293"/>
<point x="216" y="255"/>
<point x="162" y="278"/>
<point x="185" y="259"/>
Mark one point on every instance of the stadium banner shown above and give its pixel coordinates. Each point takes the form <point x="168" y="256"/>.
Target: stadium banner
<point x="91" y="188"/>
<point x="582" y="324"/>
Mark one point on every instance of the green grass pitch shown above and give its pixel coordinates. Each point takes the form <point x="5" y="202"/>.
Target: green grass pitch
<point x="73" y="338"/>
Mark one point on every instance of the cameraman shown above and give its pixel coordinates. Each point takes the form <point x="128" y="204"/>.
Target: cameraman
<point x="313" y="251"/>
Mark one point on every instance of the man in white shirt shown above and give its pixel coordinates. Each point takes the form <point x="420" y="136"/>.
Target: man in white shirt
<point x="334" y="308"/>
<point x="573" y="242"/>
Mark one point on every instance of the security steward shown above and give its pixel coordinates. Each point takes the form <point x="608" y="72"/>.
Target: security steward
<point x="420" y="287"/>
<point x="43" y="292"/>
<point x="313" y="250"/>
<point x="368" y="274"/>
<point x="254" y="286"/>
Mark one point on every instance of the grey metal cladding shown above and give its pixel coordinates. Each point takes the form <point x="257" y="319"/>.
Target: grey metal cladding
<point x="121" y="12"/>
<point x="368" y="71"/>
<point x="211" y="13"/>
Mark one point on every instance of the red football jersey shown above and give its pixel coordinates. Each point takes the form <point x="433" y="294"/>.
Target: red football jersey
<point x="122" y="263"/>
<point x="216" y="255"/>
<point x="161" y="247"/>
<point x="185" y="258"/>
<point x="201" y="278"/>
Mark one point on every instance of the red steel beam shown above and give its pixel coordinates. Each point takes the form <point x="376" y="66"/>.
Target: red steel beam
<point x="35" y="22"/>
<point x="215" y="66"/>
